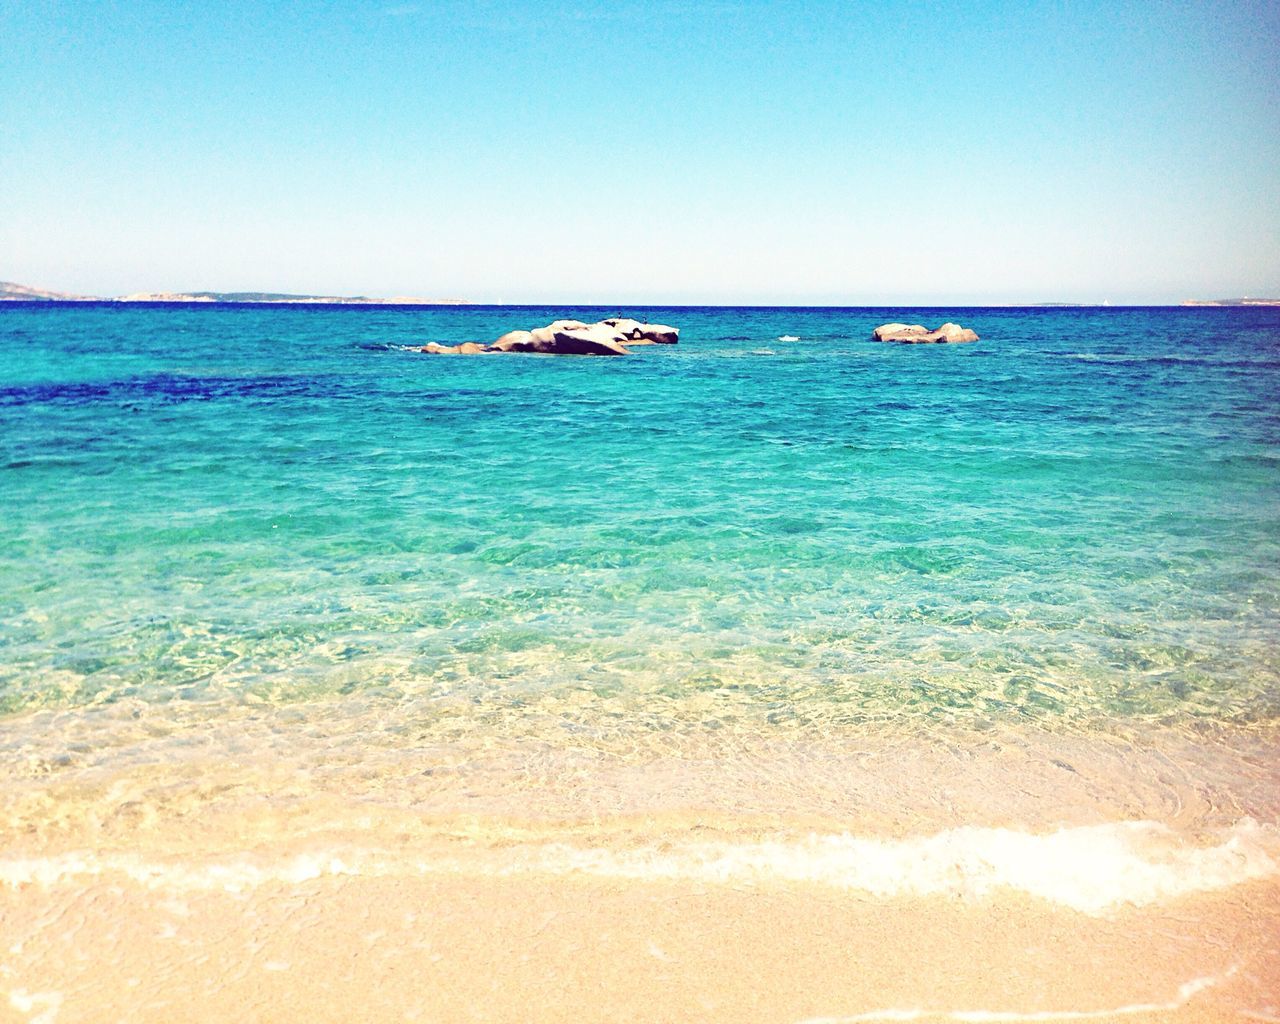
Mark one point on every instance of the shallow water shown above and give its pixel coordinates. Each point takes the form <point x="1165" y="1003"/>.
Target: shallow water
<point x="1072" y="519"/>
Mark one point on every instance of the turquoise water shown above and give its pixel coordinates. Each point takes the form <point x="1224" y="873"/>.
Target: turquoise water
<point x="1075" y="519"/>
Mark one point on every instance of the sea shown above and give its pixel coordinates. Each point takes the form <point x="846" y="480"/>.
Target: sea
<point x="778" y="601"/>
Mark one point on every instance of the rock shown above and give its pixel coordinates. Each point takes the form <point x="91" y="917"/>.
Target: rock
<point x="467" y="348"/>
<point x="571" y="337"/>
<point x="637" y="333"/>
<point x="898" y="332"/>
<point x="915" y="334"/>
<point x="954" y="332"/>
<point x="564" y="337"/>
<point x="596" y="340"/>
<point x="514" y="341"/>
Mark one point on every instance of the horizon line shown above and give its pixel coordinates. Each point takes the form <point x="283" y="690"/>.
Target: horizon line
<point x="365" y="302"/>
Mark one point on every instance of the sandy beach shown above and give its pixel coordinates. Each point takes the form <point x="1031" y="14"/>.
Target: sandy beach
<point x="660" y="878"/>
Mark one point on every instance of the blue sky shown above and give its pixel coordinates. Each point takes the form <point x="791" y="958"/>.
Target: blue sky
<point x="728" y="151"/>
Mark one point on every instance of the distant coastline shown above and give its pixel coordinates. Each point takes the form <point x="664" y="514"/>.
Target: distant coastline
<point x="1232" y="302"/>
<point x="11" y="292"/>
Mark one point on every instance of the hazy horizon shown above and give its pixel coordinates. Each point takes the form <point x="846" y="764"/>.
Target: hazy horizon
<point x="718" y="153"/>
<point x="385" y="299"/>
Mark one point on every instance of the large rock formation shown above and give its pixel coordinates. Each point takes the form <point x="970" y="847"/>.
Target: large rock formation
<point x="914" y="334"/>
<point x="571" y="337"/>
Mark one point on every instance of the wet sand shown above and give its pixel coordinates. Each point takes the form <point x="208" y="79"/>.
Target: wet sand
<point x="583" y="950"/>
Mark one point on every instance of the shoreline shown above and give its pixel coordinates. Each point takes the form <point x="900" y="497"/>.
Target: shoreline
<point x="1087" y="820"/>
<point x="256" y="857"/>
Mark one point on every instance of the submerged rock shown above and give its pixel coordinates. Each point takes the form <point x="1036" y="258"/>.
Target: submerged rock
<point x="915" y="334"/>
<point x="571" y="337"/>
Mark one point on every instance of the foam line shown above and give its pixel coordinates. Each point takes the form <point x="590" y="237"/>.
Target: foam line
<point x="1091" y="869"/>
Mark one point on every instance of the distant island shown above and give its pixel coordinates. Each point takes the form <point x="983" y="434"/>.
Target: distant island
<point x="21" y="293"/>
<point x="11" y="292"/>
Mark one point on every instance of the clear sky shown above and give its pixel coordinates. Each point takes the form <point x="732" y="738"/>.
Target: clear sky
<point x="725" y="151"/>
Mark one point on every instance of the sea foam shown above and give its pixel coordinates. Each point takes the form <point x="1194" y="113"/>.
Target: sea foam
<point x="1091" y="869"/>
